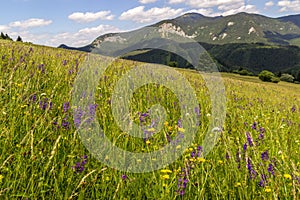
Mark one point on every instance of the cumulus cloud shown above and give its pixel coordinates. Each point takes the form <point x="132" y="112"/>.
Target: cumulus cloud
<point x="269" y="4"/>
<point x="90" y="17"/>
<point x="81" y="37"/>
<point x="30" y="23"/>
<point x="289" y="5"/>
<point x="4" y="28"/>
<point x="147" y="1"/>
<point x="207" y="3"/>
<point x="140" y="15"/>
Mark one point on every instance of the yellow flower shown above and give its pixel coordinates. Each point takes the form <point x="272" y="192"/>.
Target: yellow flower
<point x="148" y="142"/>
<point x="151" y="130"/>
<point x="1" y="177"/>
<point x="220" y="162"/>
<point x="201" y="160"/>
<point x="178" y="147"/>
<point x="238" y="184"/>
<point x="165" y="177"/>
<point x="287" y="176"/>
<point x="164" y="185"/>
<point x="170" y="128"/>
<point x="165" y="171"/>
<point x="192" y="159"/>
<point x="107" y="178"/>
<point x="166" y="123"/>
<point x="181" y="130"/>
<point x="267" y="190"/>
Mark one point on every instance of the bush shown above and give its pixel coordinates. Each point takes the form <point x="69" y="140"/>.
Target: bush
<point x="266" y="76"/>
<point x="245" y="72"/>
<point x="287" y="78"/>
<point x="275" y="79"/>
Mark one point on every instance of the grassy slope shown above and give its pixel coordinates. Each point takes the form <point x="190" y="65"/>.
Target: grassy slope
<point x="40" y="146"/>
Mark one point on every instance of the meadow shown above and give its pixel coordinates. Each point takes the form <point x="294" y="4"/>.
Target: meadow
<point x="42" y="156"/>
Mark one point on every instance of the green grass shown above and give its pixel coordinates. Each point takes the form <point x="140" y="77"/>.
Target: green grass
<point x="40" y="146"/>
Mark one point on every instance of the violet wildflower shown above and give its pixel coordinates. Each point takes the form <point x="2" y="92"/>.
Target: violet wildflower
<point x="66" y="106"/>
<point x="252" y="172"/>
<point x="44" y="104"/>
<point x="77" y="117"/>
<point x="179" y="123"/>
<point x="124" y="177"/>
<point x="263" y="182"/>
<point x="265" y="156"/>
<point x="254" y="126"/>
<point x="293" y="109"/>
<point x="245" y="147"/>
<point x="271" y="169"/>
<point x="249" y="139"/>
<point x="79" y="167"/>
<point x="32" y="98"/>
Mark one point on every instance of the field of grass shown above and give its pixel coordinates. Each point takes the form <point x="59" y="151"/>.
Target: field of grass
<point x="42" y="156"/>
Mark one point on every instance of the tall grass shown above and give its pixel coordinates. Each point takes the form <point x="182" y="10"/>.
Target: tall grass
<point x="42" y="157"/>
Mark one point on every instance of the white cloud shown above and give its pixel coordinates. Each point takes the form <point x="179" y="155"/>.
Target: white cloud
<point x="89" y="16"/>
<point x="269" y="4"/>
<point x="4" y="28"/>
<point x="207" y="3"/>
<point x="289" y="5"/>
<point x="30" y="23"/>
<point x="206" y="12"/>
<point x="245" y="8"/>
<point x="147" y="1"/>
<point x="140" y="15"/>
<point x="82" y="37"/>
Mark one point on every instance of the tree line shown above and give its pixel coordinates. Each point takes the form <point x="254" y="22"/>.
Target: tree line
<point x="6" y="37"/>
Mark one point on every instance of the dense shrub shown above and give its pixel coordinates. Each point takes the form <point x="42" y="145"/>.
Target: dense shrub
<point x="266" y="75"/>
<point x="287" y="78"/>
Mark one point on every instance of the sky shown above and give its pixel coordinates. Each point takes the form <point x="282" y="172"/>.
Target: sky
<point x="78" y="22"/>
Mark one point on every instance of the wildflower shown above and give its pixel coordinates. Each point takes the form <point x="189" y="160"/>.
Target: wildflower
<point x="249" y="139"/>
<point x="107" y="178"/>
<point x="263" y="180"/>
<point x="124" y="177"/>
<point x="166" y="123"/>
<point x="293" y="109"/>
<point x="66" y="106"/>
<point x="165" y="171"/>
<point x="1" y="177"/>
<point x="254" y="126"/>
<point x="148" y="142"/>
<point x="287" y="176"/>
<point x="238" y="184"/>
<point x="245" y="147"/>
<point x="252" y="172"/>
<point x="265" y="156"/>
<point x="220" y="162"/>
<point x="268" y="190"/>
<point x="271" y="169"/>
<point x="79" y="167"/>
<point x="165" y="177"/>
<point x="201" y="160"/>
<point x="181" y="130"/>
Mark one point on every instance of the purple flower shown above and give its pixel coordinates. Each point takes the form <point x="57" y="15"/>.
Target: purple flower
<point x="249" y="139"/>
<point x="271" y="169"/>
<point x="64" y="62"/>
<point x="254" y="126"/>
<point x="44" y="104"/>
<point x="245" y="147"/>
<point x="263" y="182"/>
<point x="32" y="98"/>
<point x="66" y="106"/>
<point x="293" y="109"/>
<point x="179" y="123"/>
<point x="252" y="172"/>
<point x="79" y="167"/>
<point x="77" y="117"/>
<point x="265" y="156"/>
<point x="124" y="177"/>
<point x="197" y="111"/>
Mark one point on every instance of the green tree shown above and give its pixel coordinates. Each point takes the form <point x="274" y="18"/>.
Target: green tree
<point x="268" y="76"/>
<point x="19" y="39"/>
<point x="287" y="78"/>
<point x="2" y="36"/>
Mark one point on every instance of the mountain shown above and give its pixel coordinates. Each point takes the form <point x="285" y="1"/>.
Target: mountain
<point x="233" y="41"/>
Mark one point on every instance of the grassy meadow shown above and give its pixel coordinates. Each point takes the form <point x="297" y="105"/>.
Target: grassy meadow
<point x="42" y="156"/>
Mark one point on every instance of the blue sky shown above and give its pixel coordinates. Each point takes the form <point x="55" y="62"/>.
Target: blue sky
<point x="79" y="22"/>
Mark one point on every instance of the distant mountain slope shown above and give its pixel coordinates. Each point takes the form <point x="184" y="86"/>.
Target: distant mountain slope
<point x="252" y="41"/>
